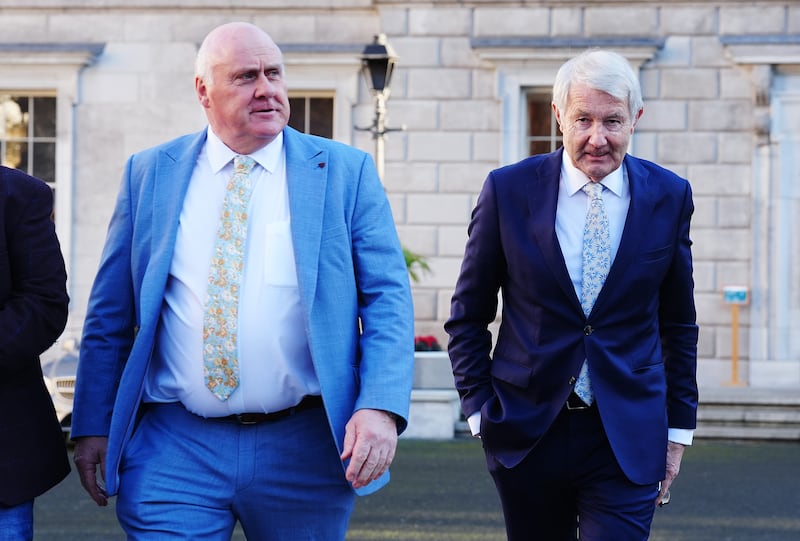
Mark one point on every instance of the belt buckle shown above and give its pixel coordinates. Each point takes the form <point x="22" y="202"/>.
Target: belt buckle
<point x="581" y="405"/>
<point x="246" y="419"/>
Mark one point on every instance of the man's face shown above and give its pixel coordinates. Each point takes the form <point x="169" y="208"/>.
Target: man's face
<point x="597" y="128"/>
<point x="245" y="94"/>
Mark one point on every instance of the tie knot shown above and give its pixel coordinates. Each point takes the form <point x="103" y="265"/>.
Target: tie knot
<point x="242" y="165"/>
<point x="593" y="189"/>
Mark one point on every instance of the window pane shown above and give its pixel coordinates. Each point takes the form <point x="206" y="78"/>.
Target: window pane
<point x="28" y="134"/>
<point x="21" y="156"/>
<point x="542" y="134"/>
<point x="44" y="117"/>
<point x="14" y="154"/>
<point x="322" y="117"/>
<point x="312" y="115"/>
<point x="44" y="161"/>
<point x="297" y="116"/>
<point x="15" y="117"/>
<point x="538" y="147"/>
<point x="539" y="113"/>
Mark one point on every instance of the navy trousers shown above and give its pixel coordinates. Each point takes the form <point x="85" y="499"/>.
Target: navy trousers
<point x="571" y="487"/>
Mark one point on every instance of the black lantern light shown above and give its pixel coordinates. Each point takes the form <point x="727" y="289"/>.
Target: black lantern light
<point x="377" y="65"/>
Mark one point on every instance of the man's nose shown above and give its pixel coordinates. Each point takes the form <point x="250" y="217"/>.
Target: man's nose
<point x="598" y="134"/>
<point x="265" y="87"/>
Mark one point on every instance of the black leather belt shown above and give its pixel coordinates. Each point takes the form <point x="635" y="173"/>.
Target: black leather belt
<point x="574" y="403"/>
<point x="307" y="403"/>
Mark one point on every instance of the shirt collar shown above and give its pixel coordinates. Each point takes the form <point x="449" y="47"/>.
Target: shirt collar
<point x="574" y="178"/>
<point x="219" y="155"/>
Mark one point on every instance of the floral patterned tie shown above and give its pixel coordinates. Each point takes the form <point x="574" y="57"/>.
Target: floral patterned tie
<point x="596" y="262"/>
<point x="220" y="362"/>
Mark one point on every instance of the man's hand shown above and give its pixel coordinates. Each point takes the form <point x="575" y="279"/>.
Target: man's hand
<point x="674" y="456"/>
<point x="90" y="452"/>
<point x="370" y="441"/>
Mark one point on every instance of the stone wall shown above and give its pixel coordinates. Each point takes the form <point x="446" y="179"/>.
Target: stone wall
<point x="702" y="120"/>
<point x="707" y="106"/>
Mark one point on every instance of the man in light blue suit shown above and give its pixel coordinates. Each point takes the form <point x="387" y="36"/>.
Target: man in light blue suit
<point x="324" y="326"/>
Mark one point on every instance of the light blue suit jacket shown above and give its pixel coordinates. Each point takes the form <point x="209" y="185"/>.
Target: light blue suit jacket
<point x="351" y="273"/>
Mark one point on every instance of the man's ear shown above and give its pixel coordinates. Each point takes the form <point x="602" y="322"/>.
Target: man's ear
<point x="558" y="115"/>
<point x="638" y="116"/>
<point x="202" y="91"/>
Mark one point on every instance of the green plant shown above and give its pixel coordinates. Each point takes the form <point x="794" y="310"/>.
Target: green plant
<point x="415" y="263"/>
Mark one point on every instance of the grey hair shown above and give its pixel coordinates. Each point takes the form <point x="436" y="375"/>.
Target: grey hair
<point x="201" y="70"/>
<point x="601" y="70"/>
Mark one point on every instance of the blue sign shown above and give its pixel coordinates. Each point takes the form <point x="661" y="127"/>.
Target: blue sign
<point x="735" y="295"/>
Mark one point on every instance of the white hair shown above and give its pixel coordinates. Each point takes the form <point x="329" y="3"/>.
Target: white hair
<point x="601" y="70"/>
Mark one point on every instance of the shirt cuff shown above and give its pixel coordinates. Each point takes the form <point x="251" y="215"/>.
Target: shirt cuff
<point x="474" y="422"/>
<point x="684" y="436"/>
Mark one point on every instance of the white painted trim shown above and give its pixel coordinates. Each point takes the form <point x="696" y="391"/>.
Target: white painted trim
<point x="55" y="69"/>
<point x="520" y="68"/>
<point x="338" y="73"/>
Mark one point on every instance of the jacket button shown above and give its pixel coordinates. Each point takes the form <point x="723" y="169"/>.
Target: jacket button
<point x="572" y="381"/>
<point x="587" y="330"/>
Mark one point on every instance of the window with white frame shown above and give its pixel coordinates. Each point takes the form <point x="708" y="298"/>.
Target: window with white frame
<point x="323" y="82"/>
<point x="312" y="112"/>
<point x="28" y="133"/>
<point x="541" y="132"/>
<point x="526" y="69"/>
<point x="38" y="94"/>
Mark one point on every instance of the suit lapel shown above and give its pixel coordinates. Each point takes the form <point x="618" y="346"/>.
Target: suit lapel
<point x="174" y="167"/>
<point x="639" y="211"/>
<point x="173" y="171"/>
<point x="542" y="201"/>
<point x="307" y="172"/>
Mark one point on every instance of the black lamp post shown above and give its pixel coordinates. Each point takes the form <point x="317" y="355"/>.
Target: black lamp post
<point x="377" y="65"/>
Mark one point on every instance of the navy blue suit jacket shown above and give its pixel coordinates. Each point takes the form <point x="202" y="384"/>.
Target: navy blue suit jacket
<point x="33" y="312"/>
<point x="640" y="338"/>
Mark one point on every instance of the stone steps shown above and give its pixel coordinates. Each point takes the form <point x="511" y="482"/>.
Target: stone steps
<point x="749" y="413"/>
<point x="741" y="413"/>
<point x="730" y="412"/>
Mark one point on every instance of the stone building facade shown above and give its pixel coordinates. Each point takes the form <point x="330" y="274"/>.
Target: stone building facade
<point x="721" y="81"/>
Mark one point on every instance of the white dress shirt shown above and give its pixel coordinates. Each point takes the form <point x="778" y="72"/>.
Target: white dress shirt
<point x="571" y="209"/>
<point x="275" y="368"/>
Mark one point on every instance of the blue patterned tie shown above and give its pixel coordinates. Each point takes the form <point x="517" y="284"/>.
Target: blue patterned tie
<point x="220" y="322"/>
<point x="596" y="262"/>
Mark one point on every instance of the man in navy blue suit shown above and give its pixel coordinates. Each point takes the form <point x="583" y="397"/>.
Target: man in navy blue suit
<point x="590" y="395"/>
<point x="33" y="312"/>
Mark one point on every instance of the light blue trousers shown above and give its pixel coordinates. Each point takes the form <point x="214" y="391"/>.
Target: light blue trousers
<point x="185" y="477"/>
<point x="16" y="523"/>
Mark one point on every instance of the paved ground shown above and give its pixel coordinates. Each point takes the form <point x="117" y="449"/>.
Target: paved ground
<point x="727" y="491"/>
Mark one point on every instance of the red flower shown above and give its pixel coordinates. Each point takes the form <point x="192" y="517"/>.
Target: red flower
<point x="426" y="343"/>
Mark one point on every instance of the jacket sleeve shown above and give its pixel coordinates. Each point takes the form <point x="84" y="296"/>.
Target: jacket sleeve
<point x="110" y="324"/>
<point x="678" y="327"/>
<point x="474" y="303"/>
<point x="33" y="295"/>
<point x="385" y="307"/>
